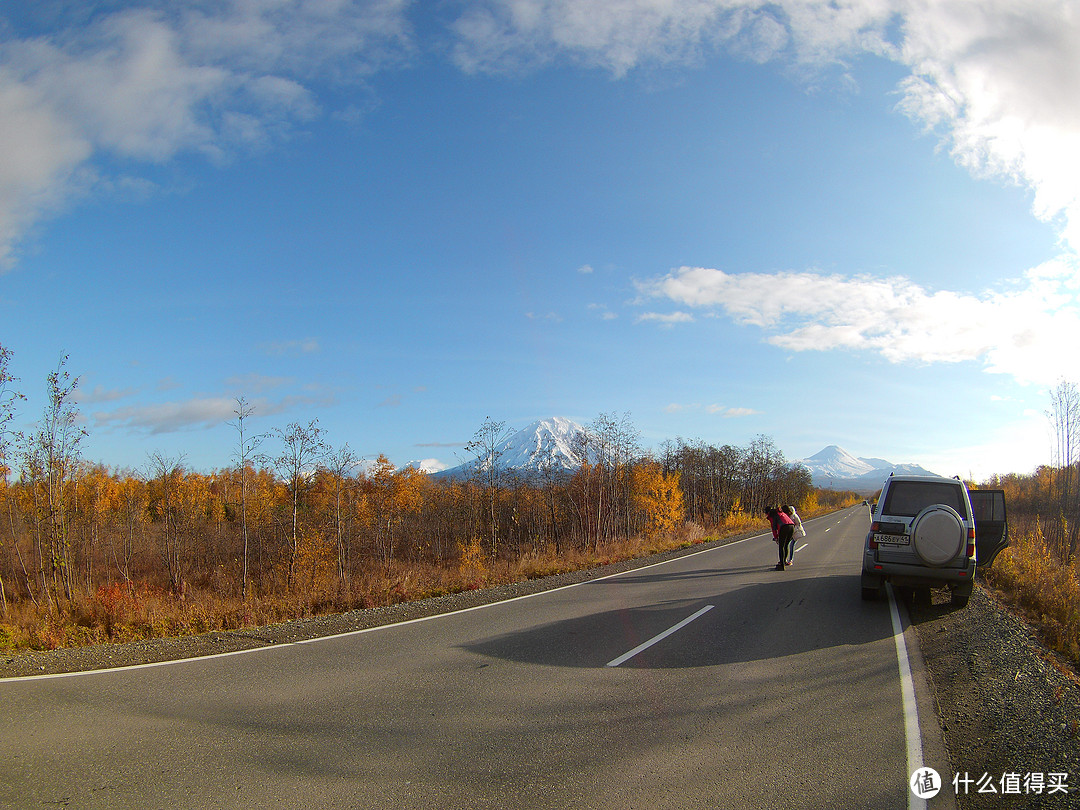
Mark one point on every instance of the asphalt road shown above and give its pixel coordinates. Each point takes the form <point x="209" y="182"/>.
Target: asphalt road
<point x="771" y="689"/>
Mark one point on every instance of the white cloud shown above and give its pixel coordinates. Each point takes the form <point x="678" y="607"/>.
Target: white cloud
<point x="1000" y="81"/>
<point x="667" y="319"/>
<point x="732" y="413"/>
<point x="256" y="383"/>
<point x="722" y="410"/>
<point x="101" y="394"/>
<point x="170" y="417"/>
<point x="429" y="465"/>
<point x="997" y="79"/>
<point x="1022" y="331"/>
<point x="550" y="317"/>
<point x="292" y="348"/>
<point x="196" y="413"/>
<point x="146" y="84"/>
<point x="619" y="35"/>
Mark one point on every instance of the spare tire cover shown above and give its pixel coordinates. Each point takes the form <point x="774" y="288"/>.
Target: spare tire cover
<point x="938" y="534"/>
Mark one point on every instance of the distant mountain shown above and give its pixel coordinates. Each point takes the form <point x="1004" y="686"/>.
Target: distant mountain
<point x="547" y="443"/>
<point x="835" y="468"/>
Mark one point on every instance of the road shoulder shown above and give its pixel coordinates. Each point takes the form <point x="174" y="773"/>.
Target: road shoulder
<point x="1004" y="703"/>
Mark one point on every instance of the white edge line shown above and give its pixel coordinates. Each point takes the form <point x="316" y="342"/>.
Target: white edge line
<point x="911" y="712"/>
<point x="286" y="644"/>
<point x="622" y="659"/>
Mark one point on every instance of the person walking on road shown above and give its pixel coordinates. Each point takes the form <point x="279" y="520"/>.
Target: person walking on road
<point x="783" y="528"/>
<point x="796" y="534"/>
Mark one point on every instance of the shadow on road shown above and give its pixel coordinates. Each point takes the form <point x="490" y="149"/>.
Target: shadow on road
<point x="759" y="621"/>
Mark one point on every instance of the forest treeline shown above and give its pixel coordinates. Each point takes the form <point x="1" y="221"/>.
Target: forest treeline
<point x="295" y="526"/>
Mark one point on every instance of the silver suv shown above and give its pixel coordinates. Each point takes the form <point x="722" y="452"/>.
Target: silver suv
<point x="929" y="531"/>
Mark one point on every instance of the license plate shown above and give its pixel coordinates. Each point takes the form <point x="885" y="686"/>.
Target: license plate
<point x="893" y="539"/>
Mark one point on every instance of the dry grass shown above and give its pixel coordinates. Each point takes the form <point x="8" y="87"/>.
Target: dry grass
<point x="130" y="611"/>
<point x="1031" y="576"/>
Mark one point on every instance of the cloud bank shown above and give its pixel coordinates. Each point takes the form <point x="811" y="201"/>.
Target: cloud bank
<point x="147" y="83"/>
<point x="996" y="80"/>
<point x="142" y="83"/>
<point x="1023" y="331"/>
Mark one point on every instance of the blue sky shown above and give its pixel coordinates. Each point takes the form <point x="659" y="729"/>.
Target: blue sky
<point x="847" y="223"/>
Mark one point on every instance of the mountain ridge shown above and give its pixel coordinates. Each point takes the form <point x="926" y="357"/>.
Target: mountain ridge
<point x="545" y="445"/>
<point x="551" y="446"/>
<point x="833" y="467"/>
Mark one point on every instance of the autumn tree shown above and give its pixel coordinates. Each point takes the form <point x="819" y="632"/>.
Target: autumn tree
<point x="394" y="495"/>
<point x="487" y="447"/>
<point x="1064" y="415"/>
<point x="132" y="503"/>
<point x="341" y="464"/>
<point x="51" y="457"/>
<point x="656" y="498"/>
<point x="247" y="446"/>
<point x="8" y="397"/>
<point x="166" y="472"/>
<point x="302" y="448"/>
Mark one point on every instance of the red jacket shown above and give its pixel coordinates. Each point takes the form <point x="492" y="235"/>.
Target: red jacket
<point x="777" y="519"/>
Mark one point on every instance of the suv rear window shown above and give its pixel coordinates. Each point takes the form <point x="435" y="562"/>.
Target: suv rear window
<point x="908" y="498"/>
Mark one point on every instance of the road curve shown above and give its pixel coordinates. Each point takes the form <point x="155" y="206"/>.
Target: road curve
<point x="709" y="681"/>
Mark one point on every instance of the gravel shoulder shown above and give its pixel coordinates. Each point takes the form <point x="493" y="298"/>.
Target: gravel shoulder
<point x="1005" y="703"/>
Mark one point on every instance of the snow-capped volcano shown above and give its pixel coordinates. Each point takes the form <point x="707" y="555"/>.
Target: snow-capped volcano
<point x="835" y="468"/>
<point x="547" y="441"/>
<point x="838" y="462"/>
<point x="547" y="444"/>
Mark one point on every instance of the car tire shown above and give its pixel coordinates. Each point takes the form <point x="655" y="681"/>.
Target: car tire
<point x="962" y="593"/>
<point x="938" y="535"/>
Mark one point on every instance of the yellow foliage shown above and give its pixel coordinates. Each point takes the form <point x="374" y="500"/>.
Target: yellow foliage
<point x="658" y="497"/>
<point x="1030" y="573"/>
<point x="472" y="565"/>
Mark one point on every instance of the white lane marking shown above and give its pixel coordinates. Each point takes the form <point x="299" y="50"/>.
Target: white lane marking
<point x="622" y="659"/>
<point x="911" y="711"/>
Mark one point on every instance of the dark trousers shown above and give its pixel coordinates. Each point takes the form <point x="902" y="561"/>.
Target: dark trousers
<point x="787" y="537"/>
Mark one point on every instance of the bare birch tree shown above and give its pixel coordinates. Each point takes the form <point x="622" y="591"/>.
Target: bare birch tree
<point x="302" y="450"/>
<point x="487" y="447"/>
<point x="247" y="445"/>
<point x="8" y="397"/>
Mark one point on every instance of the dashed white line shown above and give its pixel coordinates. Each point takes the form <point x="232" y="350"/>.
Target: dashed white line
<point x="622" y="659"/>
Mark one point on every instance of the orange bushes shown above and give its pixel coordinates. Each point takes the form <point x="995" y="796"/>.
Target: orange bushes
<point x="1030" y="574"/>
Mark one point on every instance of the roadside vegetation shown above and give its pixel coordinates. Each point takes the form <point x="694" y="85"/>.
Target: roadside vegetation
<point x="1039" y="574"/>
<point x="295" y="527"/>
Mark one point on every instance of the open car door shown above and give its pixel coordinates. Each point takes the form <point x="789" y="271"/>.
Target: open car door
<point x="991" y="524"/>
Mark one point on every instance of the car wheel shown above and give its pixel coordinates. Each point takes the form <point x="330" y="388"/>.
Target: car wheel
<point x="962" y="593"/>
<point x="938" y="534"/>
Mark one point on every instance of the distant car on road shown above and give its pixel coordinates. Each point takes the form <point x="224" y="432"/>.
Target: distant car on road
<point x="931" y="531"/>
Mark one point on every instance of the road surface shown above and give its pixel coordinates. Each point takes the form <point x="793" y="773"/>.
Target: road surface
<point x="711" y="681"/>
